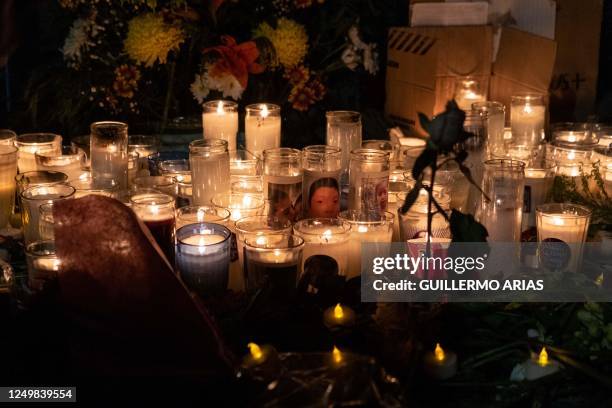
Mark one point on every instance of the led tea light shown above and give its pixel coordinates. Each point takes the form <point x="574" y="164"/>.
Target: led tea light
<point x="262" y="127"/>
<point x="540" y="365"/>
<point x="339" y="316"/>
<point x="440" y="364"/>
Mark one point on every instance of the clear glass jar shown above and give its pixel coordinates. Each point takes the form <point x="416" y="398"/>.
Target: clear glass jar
<point x="369" y="181"/>
<point x="156" y="210"/>
<point x="527" y="118"/>
<point x="262" y="127"/>
<point x="70" y="161"/>
<point x="283" y="182"/>
<point x="326" y="244"/>
<point x="7" y="137"/>
<point x="32" y="198"/>
<point x="321" y="181"/>
<point x="469" y="90"/>
<point x="344" y="132"/>
<point x="220" y="121"/>
<point x="210" y="169"/>
<point x="385" y="145"/>
<point x="413" y="224"/>
<point x="8" y="171"/>
<point x="109" y="153"/>
<point x="539" y="176"/>
<point x="493" y="116"/>
<point x="29" y="144"/>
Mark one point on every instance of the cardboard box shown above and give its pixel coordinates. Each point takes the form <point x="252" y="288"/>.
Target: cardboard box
<point x="423" y="62"/>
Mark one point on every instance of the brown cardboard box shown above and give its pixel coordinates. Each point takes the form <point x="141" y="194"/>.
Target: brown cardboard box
<point x="423" y="62"/>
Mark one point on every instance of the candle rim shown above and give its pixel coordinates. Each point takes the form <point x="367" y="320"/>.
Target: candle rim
<point x="197" y="228"/>
<point x="293" y="242"/>
<point x="220" y="199"/>
<point x="563" y="210"/>
<point x="344" y="227"/>
<point x="26" y="139"/>
<point x="226" y="104"/>
<point x="349" y="216"/>
<point x="27" y="193"/>
<point x="278" y="224"/>
<point x="258" y="107"/>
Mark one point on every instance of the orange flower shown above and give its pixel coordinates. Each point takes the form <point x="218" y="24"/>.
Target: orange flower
<point x="235" y="59"/>
<point x="301" y="97"/>
<point x="318" y="89"/>
<point x="297" y="75"/>
<point x="126" y="81"/>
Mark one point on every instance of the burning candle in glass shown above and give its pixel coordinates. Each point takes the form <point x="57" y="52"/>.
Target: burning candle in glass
<point x="527" y="117"/>
<point x="38" y="178"/>
<point x="562" y="230"/>
<point x="410" y="148"/>
<point x="210" y="171"/>
<point x="366" y="228"/>
<point x="46" y="223"/>
<point x="413" y="224"/>
<point x="179" y="169"/>
<point x="70" y="161"/>
<point x="282" y="182"/>
<point x="7" y="137"/>
<point x="156" y="210"/>
<point x="344" y="132"/>
<point x="262" y="127"/>
<point x="32" y="198"/>
<point x="164" y="184"/>
<point x="84" y="186"/>
<point x="203" y="257"/>
<point x="468" y="90"/>
<point x="203" y="213"/>
<point x="30" y="143"/>
<point x="324" y="236"/>
<point x="43" y="264"/>
<point x="272" y="262"/>
<point x="220" y="121"/>
<point x="321" y="194"/>
<point x="504" y="184"/>
<point x="8" y="171"/>
<point x="494" y="117"/>
<point x="384" y="145"/>
<point x="252" y="185"/>
<point x="109" y="153"/>
<point x="539" y="176"/>
<point x="369" y="181"/>
<point x="144" y="145"/>
<point x="244" y="163"/>
<point x="155" y="160"/>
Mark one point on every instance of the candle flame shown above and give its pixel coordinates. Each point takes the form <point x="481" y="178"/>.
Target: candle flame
<point x="337" y="355"/>
<point x="439" y="353"/>
<point x="362" y="228"/>
<point x="236" y="214"/>
<point x="571" y="138"/>
<point x="277" y="253"/>
<point x="543" y="357"/>
<point x="261" y="240"/>
<point x="327" y="234"/>
<point x="56" y="264"/>
<point x="264" y="110"/>
<point x="200" y="214"/>
<point x="220" y="110"/>
<point x="527" y="109"/>
<point x="338" y="312"/>
<point x="246" y="201"/>
<point x="154" y="208"/>
<point x="557" y="221"/>
<point x="571" y="155"/>
<point x="255" y="351"/>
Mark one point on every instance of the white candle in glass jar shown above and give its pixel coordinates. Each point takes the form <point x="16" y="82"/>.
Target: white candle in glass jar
<point x="361" y="233"/>
<point x="220" y="121"/>
<point x="466" y="98"/>
<point x="527" y="123"/>
<point x="538" y="183"/>
<point x="321" y="240"/>
<point x="262" y="128"/>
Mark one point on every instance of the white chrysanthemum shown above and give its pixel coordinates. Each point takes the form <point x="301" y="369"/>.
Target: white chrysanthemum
<point x="80" y="38"/>
<point x="228" y="85"/>
<point x="199" y="88"/>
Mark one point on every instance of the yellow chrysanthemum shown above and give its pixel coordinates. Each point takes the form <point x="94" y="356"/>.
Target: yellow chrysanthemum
<point x="289" y="40"/>
<point x="150" y="39"/>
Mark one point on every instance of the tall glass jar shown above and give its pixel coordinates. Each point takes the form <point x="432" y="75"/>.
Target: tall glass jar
<point x="527" y="118"/>
<point x="321" y="181"/>
<point x="369" y="181"/>
<point x="501" y="214"/>
<point x="413" y="224"/>
<point x="262" y="127"/>
<point x="109" y="153"/>
<point x="469" y="90"/>
<point x="210" y="170"/>
<point x="220" y="121"/>
<point x="539" y="176"/>
<point x="344" y="132"/>
<point x="493" y="116"/>
<point x="283" y="182"/>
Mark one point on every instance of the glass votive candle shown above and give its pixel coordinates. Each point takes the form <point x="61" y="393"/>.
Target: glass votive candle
<point x="203" y="257"/>
<point x="248" y="185"/>
<point x="220" y="121"/>
<point x="258" y="225"/>
<point x="539" y="176"/>
<point x="164" y="184"/>
<point x="413" y="224"/>
<point x="272" y="263"/>
<point x="562" y="230"/>
<point x="210" y="171"/>
<point x="84" y="186"/>
<point x="156" y="211"/>
<point x="452" y="182"/>
<point x="527" y="118"/>
<point x="38" y="178"/>
<point x="31" y="143"/>
<point x="134" y="167"/>
<point x="504" y="183"/>
<point x="469" y="90"/>
<point x="344" y="132"/>
<point x="8" y="171"/>
<point x="369" y="181"/>
<point x="32" y="198"/>
<point x="144" y="145"/>
<point x="282" y="181"/>
<point x="82" y="142"/>
<point x="43" y="264"/>
<point x="70" y="161"/>
<point x="262" y="127"/>
<point x="384" y="145"/>
<point x="240" y="205"/>
<point x="321" y="192"/>
<point x="203" y="213"/>
<point x="602" y="157"/>
<point x="410" y="148"/>
<point x="244" y="163"/>
<point x="7" y="137"/>
<point x="493" y="116"/>
<point x="46" y="223"/>
<point x="169" y="167"/>
<point x="109" y="153"/>
<point x="324" y="237"/>
<point x="156" y="159"/>
<point x="369" y="228"/>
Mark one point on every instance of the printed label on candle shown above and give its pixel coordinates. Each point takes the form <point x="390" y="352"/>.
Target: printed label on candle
<point x="285" y="198"/>
<point x="369" y="194"/>
<point x="322" y="193"/>
<point x="555" y="254"/>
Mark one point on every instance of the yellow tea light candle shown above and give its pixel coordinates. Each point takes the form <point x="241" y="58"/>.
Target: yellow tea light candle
<point x="338" y="316"/>
<point x="440" y="364"/>
<point x="261" y="360"/>
<point x="540" y="365"/>
<point x="262" y="127"/>
<point x="220" y="121"/>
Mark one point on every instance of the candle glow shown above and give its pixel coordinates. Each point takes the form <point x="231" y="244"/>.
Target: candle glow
<point x="338" y="312"/>
<point x="439" y="353"/>
<point x="220" y="110"/>
<point x="543" y="357"/>
<point x="255" y="351"/>
<point x="264" y="111"/>
<point x="337" y="355"/>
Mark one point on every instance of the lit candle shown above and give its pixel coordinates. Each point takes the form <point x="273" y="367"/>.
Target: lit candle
<point x="527" y="116"/>
<point x="337" y="358"/>
<point x="540" y="366"/>
<point x="262" y="127"/>
<point x="538" y="182"/>
<point x="220" y="121"/>
<point x="156" y="211"/>
<point x="210" y="169"/>
<point x="43" y="263"/>
<point x="31" y="143"/>
<point x="324" y="236"/>
<point x="440" y="364"/>
<point x="109" y="153"/>
<point x="339" y="316"/>
<point x="467" y="92"/>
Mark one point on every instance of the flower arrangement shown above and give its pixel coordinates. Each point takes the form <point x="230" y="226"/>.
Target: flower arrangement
<point x="151" y="60"/>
